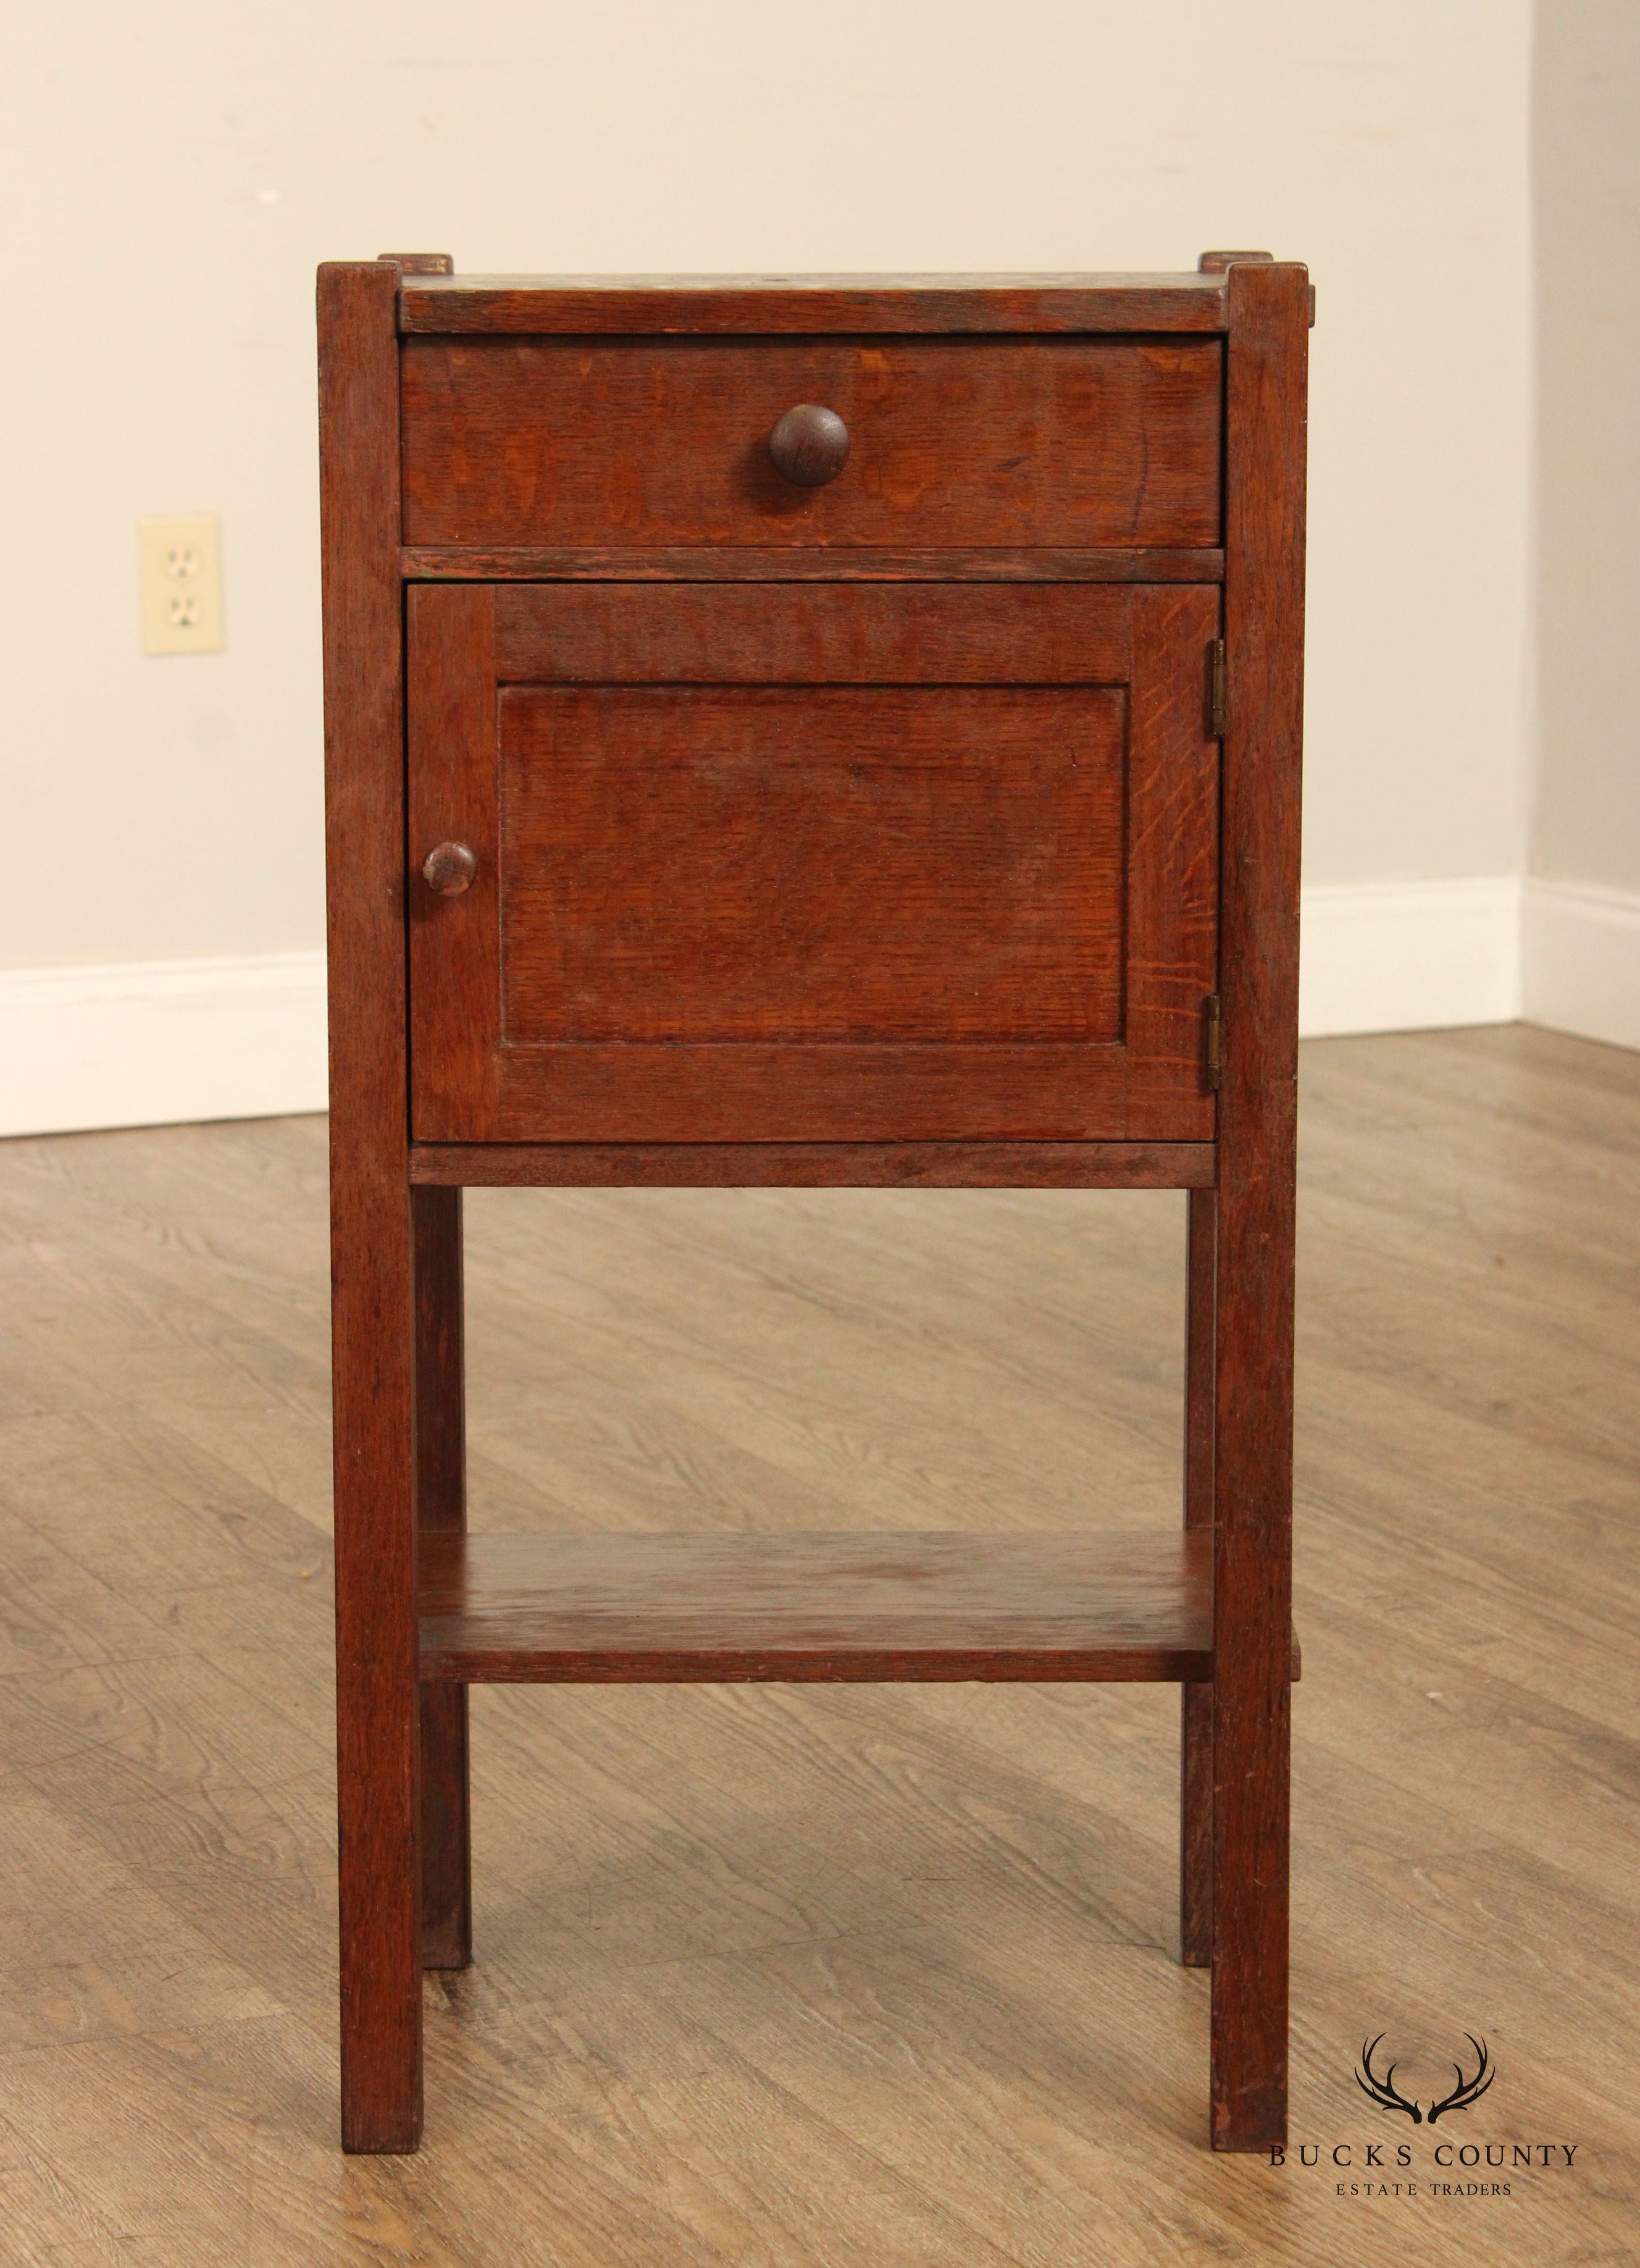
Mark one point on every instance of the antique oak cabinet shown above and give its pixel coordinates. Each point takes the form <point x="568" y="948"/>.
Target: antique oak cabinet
<point x="809" y="730"/>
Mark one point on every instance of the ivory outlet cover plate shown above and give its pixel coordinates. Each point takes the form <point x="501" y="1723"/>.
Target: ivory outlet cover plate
<point x="179" y="577"/>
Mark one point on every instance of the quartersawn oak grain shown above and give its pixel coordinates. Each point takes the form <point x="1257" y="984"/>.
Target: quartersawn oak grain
<point x="1195" y="1755"/>
<point x="1255" y="1203"/>
<point x="815" y="1165"/>
<point x="725" y="563"/>
<point x="499" y="1062"/>
<point x="372" y="1262"/>
<point x="752" y="304"/>
<point x="441" y="1508"/>
<point x="652" y="1609"/>
<point x="859" y="634"/>
<point x="1067" y="442"/>
<point x="814" y="863"/>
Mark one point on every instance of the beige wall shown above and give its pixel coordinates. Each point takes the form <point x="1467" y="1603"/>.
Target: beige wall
<point x="178" y="173"/>
<point x="1586" y="165"/>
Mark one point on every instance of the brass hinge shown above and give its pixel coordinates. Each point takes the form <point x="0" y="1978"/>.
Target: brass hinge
<point x="1212" y="1041"/>
<point x="1216" y="689"/>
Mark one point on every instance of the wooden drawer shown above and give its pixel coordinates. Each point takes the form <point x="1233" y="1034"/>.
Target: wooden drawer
<point x="955" y="442"/>
<point x="828" y="863"/>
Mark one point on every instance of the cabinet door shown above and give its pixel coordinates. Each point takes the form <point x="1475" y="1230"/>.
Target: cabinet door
<point x="823" y="862"/>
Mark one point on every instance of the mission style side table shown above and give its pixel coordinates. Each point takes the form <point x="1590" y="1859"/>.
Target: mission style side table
<point x="809" y="730"/>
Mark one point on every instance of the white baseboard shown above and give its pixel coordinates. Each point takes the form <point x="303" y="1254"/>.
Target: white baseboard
<point x="1581" y="951"/>
<point x="1410" y="956"/>
<point x="153" y="1042"/>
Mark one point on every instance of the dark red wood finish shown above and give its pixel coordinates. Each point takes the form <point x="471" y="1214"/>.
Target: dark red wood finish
<point x="1195" y="1778"/>
<point x="441" y="1510"/>
<point x="663" y="1610"/>
<point x="861" y="634"/>
<point x="815" y="863"/>
<point x="863" y="834"/>
<point x="753" y="306"/>
<point x="1077" y="442"/>
<point x="1255" y="1203"/>
<point x="723" y="563"/>
<point x="815" y="1165"/>
<point x="373" y="1327"/>
<point x="845" y="863"/>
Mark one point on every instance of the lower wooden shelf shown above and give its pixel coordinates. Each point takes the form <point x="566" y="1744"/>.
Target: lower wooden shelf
<point x="917" y="1605"/>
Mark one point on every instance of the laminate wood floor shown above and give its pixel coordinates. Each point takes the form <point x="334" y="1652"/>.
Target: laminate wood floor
<point x="864" y="1975"/>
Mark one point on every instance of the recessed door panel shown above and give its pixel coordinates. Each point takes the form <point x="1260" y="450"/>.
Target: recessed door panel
<point x="829" y="862"/>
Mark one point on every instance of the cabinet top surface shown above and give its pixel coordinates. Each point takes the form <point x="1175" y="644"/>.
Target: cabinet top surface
<point x="1092" y="302"/>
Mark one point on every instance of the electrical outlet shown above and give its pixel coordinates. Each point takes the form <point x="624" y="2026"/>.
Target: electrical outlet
<point x="178" y="579"/>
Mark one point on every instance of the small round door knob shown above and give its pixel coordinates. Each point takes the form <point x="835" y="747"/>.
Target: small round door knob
<point x="810" y="446"/>
<point x="449" y="868"/>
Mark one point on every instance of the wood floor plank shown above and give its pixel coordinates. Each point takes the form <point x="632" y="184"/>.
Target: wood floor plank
<point x="783" y="1975"/>
<point x="93" y="1952"/>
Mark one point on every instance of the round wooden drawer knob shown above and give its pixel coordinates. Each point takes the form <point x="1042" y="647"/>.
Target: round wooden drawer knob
<point x="449" y="869"/>
<point x="810" y="446"/>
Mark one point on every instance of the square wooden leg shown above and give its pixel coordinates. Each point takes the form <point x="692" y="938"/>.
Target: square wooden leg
<point x="1196" y="1775"/>
<point x="377" y="1684"/>
<point x="1195" y="1826"/>
<point x="441" y="1505"/>
<point x="1251" y="1699"/>
<point x="446" y="1866"/>
<point x="1250" y="1916"/>
<point x="1260" y="758"/>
